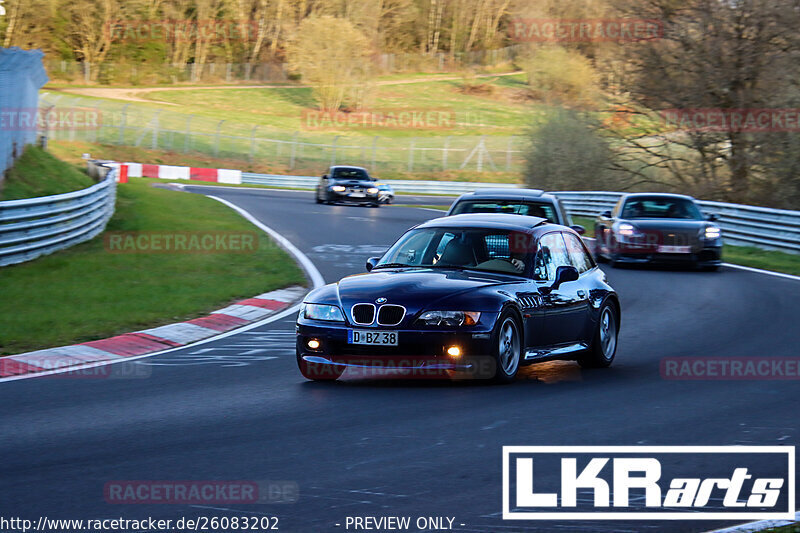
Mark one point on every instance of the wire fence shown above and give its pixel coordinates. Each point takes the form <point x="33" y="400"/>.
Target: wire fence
<point x="21" y="76"/>
<point x="109" y="72"/>
<point x="142" y="126"/>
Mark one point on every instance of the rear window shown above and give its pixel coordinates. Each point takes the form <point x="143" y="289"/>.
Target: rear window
<point x="511" y="207"/>
<point x="350" y="174"/>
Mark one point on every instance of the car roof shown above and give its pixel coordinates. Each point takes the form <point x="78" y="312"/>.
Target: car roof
<point x="486" y="220"/>
<point x="635" y="195"/>
<point x="507" y="194"/>
<point x="349" y="167"/>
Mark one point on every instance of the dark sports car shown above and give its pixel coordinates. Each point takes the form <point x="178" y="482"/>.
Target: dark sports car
<point x="350" y="184"/>
<point x="467" y="295"/>
<point x="668" y="228"/>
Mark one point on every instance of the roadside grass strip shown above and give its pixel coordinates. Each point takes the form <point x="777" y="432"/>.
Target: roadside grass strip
<point x="92" y="295"/>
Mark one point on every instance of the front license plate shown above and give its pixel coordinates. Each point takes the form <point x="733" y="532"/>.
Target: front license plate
<point x="665" y="249"/>
<point x="372" y="338"/>
<point x="357" y="195"/>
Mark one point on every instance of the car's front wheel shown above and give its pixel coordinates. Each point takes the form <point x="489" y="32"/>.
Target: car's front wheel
<point x="507" y="347"/>
<point x="317" y="372"/>
<point x="604" y="345"/>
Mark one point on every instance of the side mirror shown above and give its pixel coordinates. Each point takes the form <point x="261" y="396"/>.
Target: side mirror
<point x="325" y="177"/>
<point x="713" y="217"/>
<point x="606" y="214"/>
<point x="563" y="275"/>
<point x="580" y="230"/>
<point x="371" y="262"/>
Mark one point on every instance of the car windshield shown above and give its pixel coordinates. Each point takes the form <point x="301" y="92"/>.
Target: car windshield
<point x="350" y="174"/>
<point x="661" y="207"/>
<point x="491" y="250"/>
<point x="511" y="207"/>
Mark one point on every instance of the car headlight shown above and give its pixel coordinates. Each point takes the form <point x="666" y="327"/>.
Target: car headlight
<point x="331" y="313"/>
<point x="338" y="188"/>
<point x="449" y="318"/>
<point x="372" y="190"/>
<point x="627" y="229"/>
<point x="712" y="232"/>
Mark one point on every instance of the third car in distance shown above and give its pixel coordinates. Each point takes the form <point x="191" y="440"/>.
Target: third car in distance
<point x="658" y="227"/>
<point x="353" y="185"/>
<point x="471" y="295"/>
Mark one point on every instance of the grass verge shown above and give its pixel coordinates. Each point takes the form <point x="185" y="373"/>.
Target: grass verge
<point x="87" y="293"/>
<point x="38" y="173"/>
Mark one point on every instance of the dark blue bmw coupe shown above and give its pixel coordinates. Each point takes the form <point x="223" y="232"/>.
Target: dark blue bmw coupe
<point x="474" y="295"/>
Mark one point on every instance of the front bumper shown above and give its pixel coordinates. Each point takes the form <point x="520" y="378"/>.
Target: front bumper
<point x="417" y="349"/>
<point x="705" y="255"/>
<point x="357" y="198"/>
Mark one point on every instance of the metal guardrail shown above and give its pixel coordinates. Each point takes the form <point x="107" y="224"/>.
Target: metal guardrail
<point x="34" y="227"/>
<point x="409" y="186"/>
<point x="744" y="225"/>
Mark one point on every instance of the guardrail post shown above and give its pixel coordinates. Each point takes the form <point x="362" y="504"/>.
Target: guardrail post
<point x="123" y="174"/>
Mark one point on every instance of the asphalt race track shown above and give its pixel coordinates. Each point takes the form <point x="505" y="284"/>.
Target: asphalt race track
<point x="238" y="409"/>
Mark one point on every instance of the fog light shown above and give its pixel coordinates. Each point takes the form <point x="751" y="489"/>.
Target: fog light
<point x="454" y="351"/>
<point x="313" y="344"/>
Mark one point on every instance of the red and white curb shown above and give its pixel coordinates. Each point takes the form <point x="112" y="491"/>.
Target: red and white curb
<point x="154" y="339"/>
<point x="171" y="172"/>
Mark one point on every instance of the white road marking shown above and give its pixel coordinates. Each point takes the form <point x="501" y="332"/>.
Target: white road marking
<point x="760" y="271"/>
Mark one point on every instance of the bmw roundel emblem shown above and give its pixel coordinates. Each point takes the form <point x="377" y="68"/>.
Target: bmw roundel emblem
<point x="380" y="300"/>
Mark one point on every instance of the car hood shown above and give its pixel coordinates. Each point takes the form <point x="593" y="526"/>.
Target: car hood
<point x="354" y="183"/>
<point x="667" y="224"/>
<point x="421" y="289"/>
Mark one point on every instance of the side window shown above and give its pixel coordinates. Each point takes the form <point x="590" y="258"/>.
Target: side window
<point x="577" y="253"/>
<point x="551" y="254"/>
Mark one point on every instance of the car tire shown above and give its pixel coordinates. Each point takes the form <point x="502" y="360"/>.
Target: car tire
<point x="709" y="268"/>
<point x="507" y="347"/>
<point x="317" y="372"/>
<point x="376" y="204"/>
<point x="317" y="198"/>
<point x="604" y="344"/>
